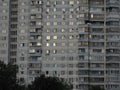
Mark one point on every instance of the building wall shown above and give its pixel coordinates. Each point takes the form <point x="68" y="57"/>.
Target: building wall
<point x="4" y="30"/>
<point x="23" y="40"/>
<point x="98" y="40"/>
<point x="77" y="40"/>
<point x="59" y="57"/>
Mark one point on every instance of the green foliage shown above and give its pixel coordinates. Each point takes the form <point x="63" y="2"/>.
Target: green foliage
<point x="8" y="80"/>
<point x="49" y="83"/>
<point x="7" y="76"/>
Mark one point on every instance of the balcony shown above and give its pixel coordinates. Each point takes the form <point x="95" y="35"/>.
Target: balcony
<point x="97" y="25"/>
<point x="113" y="15"/>
<point x="111" y="51"/>
<point x="96" y="73"/>
<point x="97" y="44"/>
<point x="113" y="30"/>
<point x="113" y="3"/>
<point x="96" y="2"/>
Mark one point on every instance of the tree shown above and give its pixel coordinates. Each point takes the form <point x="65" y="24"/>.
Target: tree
<point x="8" y="79"/>
<point x="96" y="88"/>
<point x="49" y="83"/>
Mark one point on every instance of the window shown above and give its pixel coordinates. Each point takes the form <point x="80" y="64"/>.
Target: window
<point x="62" y="51"/>
<point x="81" y="50"/>
<point x="54" y="51"/>
<point x="23" y="3"/>
<point x="47" y="44"/>
<point x="63" y="2"/>
<point x="39" y="37"/>
<point x="62" y="30"/>
<point x="4" y="17"/>
<point x="54" y="37"/>
<point x="38" y="16"/>
<point x="55" y="16"/>
<point x="63" y="23"/>
<point x="71" y="23"/>
<point x="22" y="17"/>
<point x="36" y="2"/>
<point x="77" y="9"/>
<point x="47" y="52"/>
<point x="55" y="30"/>
<point x="48" y="23"/>
<point x="70" y="16"/>
<point x="22" y="31"/>
<point x="4" y="25"/>
<point x="55" y="23"/>
<point x="71" y="58"/>
<point x="54" y="44"/>
<point x="83" y="43"/>
<point x="32" y="23"/>
<point x="36" y="9"/>
<point x="22" y="72"/>
<point x="70" y="72"/>
<point x="22" y="38"/>
<point x="4" y="31"/>
<point x="30" y="44"/>
<point x="70" y="30"/>
<point x="3" y="45"/>
<point x="22" y="23"/>
<point x="22" y="58"/>
<point x="47" y="30"/>
<point x="70" y="65"/>
<point x="91" y="16"/>
<point x="81" y="57"/>
<point x="22" y="44"/>
<point x="70" y="44"/>
<point x="4" y="11"/>
<point x="63" y="36"/>
<point x="83" y="8"/>
<point x="39" y="23"/>
<point x="62" y="72"/>
<point x="48" y="9"/>
<point x="55" y="9"/>
<point x="55" y="3"/>
<point x="48" y="16"/>
<point x="22" y="10"/>
<point x="78" y="2"/>
<point x="63" y="44"/>
<point x="63" y="10"/>
<point x="48" y="37"/>
<point x="38" y="44"/>
<point x="70" y="36"/>
<point x="48" y="2"/>
<point x="32" y="30"/>
<point x="71" y="2"/>
<point x="32" y="51"/>
<point x="71" y="9"/>
<point x="4" y="4"/>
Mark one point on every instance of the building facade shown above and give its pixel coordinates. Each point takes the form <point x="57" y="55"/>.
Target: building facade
<point x="4" y="30"/>
<point x="77" y="40"/>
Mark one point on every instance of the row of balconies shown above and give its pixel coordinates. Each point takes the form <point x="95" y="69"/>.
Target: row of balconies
<point x="36" y="2"/>
<point x="101" y="3"/>
<point x="34" y="72"/>
<point x="113" y="44"/>
<point x="113" y="51"/>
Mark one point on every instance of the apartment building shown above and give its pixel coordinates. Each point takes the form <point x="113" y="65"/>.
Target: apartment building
<point x="4" y="30"/>
<point x="99" y="41"/>
<point x="77" y="40"/>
